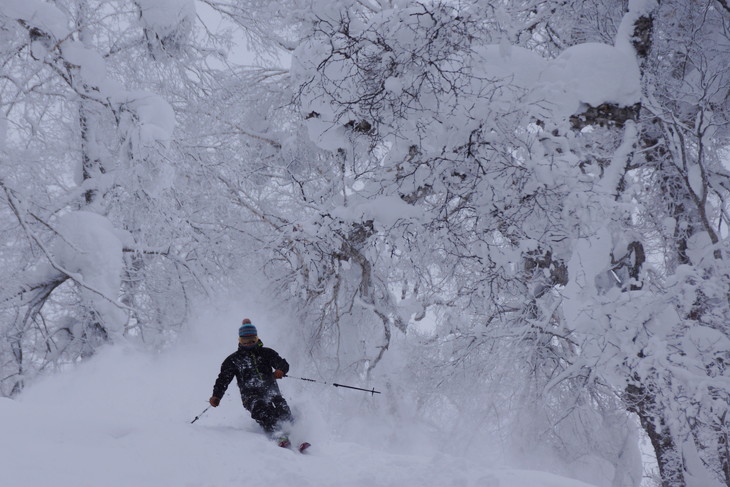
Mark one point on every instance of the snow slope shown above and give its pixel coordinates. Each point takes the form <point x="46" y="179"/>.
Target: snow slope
<point x="123" y="419"/>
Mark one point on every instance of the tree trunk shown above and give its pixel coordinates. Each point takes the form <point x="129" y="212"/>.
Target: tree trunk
<point x="642" y="400"/>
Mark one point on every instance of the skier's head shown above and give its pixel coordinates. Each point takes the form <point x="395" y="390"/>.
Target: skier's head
<point x="247" y="334"/>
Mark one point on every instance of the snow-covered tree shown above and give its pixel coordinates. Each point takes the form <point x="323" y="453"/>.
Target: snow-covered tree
<point x="92" y="244"/>
<point x="530" y="193"/>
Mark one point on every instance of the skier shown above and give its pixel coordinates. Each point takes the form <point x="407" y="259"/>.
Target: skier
<point x="256" y="369"/>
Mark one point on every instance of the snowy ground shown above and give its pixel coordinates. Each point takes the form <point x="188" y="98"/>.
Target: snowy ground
<point x="123" y="420"/>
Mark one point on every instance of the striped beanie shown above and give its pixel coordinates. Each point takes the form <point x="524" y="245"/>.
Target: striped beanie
<point x="247" y="329"/>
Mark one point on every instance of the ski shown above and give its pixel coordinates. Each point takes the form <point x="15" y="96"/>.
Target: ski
<point x="303" y="447"/>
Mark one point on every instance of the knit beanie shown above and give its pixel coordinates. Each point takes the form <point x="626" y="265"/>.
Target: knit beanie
<point x="247" y="329"/>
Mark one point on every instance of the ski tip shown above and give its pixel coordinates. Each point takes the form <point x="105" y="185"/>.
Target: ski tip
<point x="303" y="447"/>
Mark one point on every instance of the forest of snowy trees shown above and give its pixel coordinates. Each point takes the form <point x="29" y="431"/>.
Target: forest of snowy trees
<point x="533" y="190"/>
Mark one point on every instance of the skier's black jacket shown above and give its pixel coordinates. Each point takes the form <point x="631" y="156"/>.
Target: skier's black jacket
<point x="254" y="372"/>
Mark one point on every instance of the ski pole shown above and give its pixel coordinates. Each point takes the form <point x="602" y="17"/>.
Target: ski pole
<point x="371" y="391"/>
<point x="199" y="415"/>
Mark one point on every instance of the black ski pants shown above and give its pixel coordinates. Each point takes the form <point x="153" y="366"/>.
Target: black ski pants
<point x="269" y="412"/>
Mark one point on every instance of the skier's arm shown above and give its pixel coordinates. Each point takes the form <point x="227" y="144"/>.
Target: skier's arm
<point x="279" y="363"/>
<point x="228" y="371"/>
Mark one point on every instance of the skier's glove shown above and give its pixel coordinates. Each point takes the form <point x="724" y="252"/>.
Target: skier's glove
<point x="214" y="401"/>
<point x="278" y="374"/>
